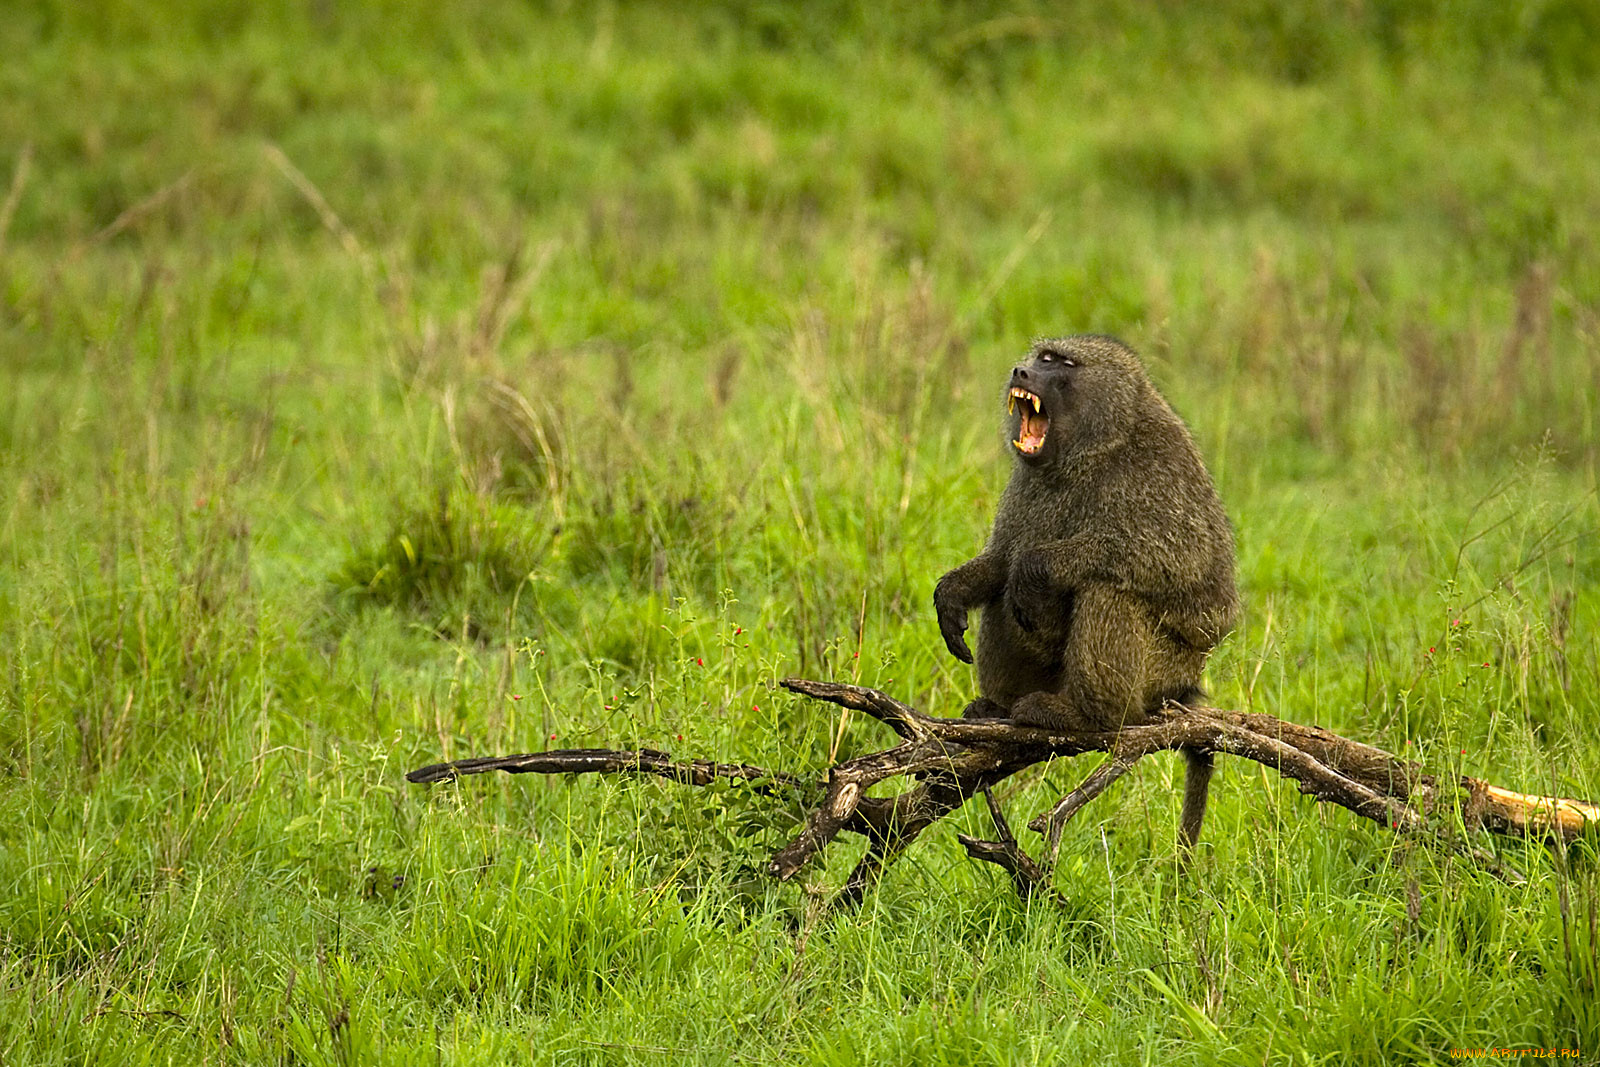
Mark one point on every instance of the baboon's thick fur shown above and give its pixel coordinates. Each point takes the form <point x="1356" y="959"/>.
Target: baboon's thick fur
<point x="1109" y="574"/>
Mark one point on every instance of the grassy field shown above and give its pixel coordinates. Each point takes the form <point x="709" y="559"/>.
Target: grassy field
<point x="385" y="385"/>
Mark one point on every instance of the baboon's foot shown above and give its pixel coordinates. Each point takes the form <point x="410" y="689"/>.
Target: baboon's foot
<point x="984" y="708"/>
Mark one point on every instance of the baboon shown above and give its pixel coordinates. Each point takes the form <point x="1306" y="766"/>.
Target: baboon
<point x="1108" y="576"/>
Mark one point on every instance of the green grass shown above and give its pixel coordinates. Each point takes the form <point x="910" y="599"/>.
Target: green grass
<point x="386" y="385"/>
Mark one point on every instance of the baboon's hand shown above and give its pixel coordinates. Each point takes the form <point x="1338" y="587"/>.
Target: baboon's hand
<point x="952" y="620"/>
<point x="1028" y="589"/>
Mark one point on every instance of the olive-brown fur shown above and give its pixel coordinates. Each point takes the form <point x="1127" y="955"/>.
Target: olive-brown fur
<point x="1109" y="574"/>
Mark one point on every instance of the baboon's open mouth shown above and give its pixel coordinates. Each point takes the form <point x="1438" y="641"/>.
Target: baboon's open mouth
<point x="1033" y="425"/>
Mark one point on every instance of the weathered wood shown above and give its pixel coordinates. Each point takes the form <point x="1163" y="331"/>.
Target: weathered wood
<point x="1029" y="878"/>
<point x="950" y="760"/>
<point x="644" y="761"/>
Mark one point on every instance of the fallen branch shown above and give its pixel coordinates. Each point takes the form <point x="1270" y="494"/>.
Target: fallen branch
<point x="609" y="761"/>
<point x="950" y="760"/>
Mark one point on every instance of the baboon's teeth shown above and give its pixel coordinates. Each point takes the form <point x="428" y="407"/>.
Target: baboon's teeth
<point x="1019" y="393"/>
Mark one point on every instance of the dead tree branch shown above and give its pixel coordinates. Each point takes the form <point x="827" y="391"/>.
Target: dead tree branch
<point x="950" y="760"/>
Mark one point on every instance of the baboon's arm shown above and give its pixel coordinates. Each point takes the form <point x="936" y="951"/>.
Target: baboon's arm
<point x="976" y="582"/>
<point x="1138" y="562"/>
<point x="1171" y="577"/>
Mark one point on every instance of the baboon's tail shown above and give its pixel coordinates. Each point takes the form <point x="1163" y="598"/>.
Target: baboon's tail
<point x="1196" y="788"/>
<point x="1197" y="778"/>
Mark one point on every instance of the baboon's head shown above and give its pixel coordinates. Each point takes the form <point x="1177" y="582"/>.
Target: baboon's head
<point x="1072" y="393"/>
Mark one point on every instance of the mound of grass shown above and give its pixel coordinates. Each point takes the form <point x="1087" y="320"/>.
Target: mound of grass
<point x="460" y="551"/>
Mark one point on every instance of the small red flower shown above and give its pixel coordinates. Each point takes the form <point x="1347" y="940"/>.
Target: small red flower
<point x="755" y="707"/>
<point x="680" y="737"/>
<point x="516" y="696"/>
<point x="1430" y="650"/>
<point x="698" y="662"/>
<point x="552" y="737"/>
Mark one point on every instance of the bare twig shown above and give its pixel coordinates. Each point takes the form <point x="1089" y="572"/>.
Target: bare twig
<point x="644" y="761"/>
<point x="1028" y="877"/>
<point x="1055" y="820"/>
